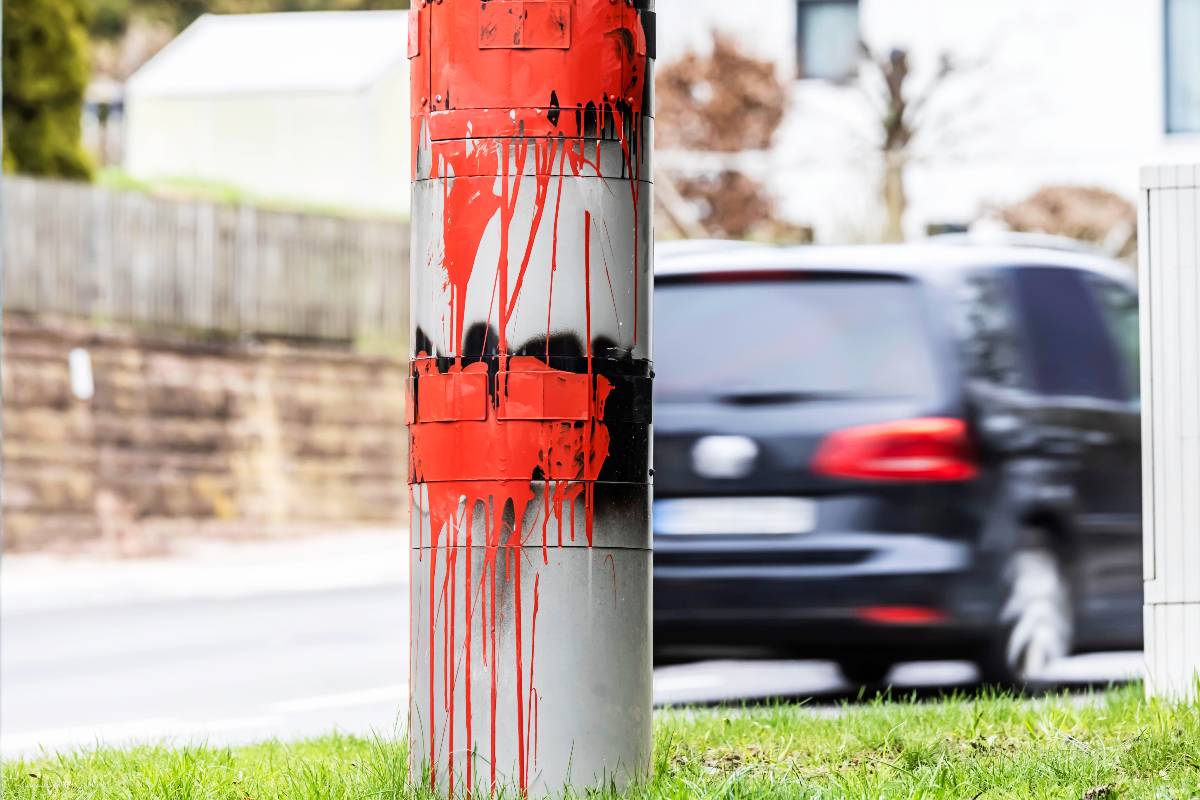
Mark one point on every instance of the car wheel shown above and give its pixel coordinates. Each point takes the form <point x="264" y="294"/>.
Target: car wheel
<point x="1036" y="623"/>
<point x="866" y="671"/>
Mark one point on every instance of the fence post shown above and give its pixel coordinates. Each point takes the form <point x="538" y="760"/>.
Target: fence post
<point x="1169" y="273"/>
<point x="531" y="384"/>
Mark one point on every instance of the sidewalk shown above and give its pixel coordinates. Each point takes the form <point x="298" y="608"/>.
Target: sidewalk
<point x="206" y="569"/>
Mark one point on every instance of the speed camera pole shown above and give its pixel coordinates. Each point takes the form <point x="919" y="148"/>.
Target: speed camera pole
<point x="1168" y="263"/>
<point x="531" y="384"/>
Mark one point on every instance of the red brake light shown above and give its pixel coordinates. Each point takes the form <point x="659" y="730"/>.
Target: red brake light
<point x="929" y="449"/>
<point x="902" y="615"/>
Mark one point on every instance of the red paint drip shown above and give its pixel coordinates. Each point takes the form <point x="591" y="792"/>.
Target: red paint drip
<point x="467" y="668"/>
<point x="589" y="487"/>
<point x="523" y="777"/>
<point x="432" y="667"/>
<point x="495" y="658"/>
<point x="532" y="699"/>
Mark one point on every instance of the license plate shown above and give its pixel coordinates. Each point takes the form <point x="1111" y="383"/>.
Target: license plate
<point x="734" y="515"/>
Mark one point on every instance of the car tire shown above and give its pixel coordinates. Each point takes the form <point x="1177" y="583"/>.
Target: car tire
<point x="866" y="671"/>
<point x="1035" y="625"/>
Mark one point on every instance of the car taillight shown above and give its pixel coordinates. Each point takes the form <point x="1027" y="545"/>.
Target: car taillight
<point x="902" y="615"/>
<point x="927" y="449"/>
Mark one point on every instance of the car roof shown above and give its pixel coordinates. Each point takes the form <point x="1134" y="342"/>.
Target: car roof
<point x="1044" y="241"/>
<point x="925" y="260"/>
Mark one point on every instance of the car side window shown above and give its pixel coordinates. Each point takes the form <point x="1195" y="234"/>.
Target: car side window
<point x="1120" y="304"/>
<point x="1066" y="335"/>
<point x="990" y="345"/>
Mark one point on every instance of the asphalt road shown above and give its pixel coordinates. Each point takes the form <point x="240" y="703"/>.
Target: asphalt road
<point x="229" y="666"/>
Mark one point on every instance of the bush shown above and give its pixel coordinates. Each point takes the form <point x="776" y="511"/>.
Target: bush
<point x="46" y="72"/>
<point x="1087" y="213"/>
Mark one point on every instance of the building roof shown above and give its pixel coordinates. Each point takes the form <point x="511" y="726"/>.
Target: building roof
<point x="297" y="52"/>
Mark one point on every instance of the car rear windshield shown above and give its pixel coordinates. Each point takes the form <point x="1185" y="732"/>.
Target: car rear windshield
<point x="804" y="338"/>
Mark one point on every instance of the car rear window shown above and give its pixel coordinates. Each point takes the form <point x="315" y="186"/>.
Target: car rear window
<point x="792" y="338"/>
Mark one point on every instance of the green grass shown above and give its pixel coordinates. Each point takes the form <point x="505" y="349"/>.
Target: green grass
<point x="1105" y="747"/>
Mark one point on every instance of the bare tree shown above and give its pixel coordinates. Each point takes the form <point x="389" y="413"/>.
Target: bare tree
<point x="730" y="204"/>
<point x="901" y="107"/>
<point x="1087" y="213"/>
<point x="724" y="100"/>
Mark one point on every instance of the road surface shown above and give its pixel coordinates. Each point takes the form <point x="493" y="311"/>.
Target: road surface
<point x="283" y="640"/>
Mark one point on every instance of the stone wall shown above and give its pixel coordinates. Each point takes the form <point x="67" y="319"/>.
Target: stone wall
<point x="181" y="438"/>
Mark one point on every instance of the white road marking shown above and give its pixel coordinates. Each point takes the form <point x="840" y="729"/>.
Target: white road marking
<point x="158" y="729"/>
<point x="142" y="730"/>
<point x="82" y="733"/>
<point x="688" y="682"/>
<point x="365" y="697"/>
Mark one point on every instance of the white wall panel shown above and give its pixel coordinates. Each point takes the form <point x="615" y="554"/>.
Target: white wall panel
<point x="1170" y="292"/>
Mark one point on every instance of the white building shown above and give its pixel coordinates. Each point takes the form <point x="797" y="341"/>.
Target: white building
<point x="309" y="107"/>
<point x="1053" y="92"/>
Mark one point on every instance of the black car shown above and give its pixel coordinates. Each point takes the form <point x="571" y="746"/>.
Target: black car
<point x="881" y="454"/>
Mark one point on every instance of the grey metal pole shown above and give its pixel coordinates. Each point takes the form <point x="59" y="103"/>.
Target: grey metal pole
<point x="531" y="388"/>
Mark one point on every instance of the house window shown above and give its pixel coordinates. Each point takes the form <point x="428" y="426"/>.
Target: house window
<point x="1183" y="66"/>
<point x="827" y="38"/>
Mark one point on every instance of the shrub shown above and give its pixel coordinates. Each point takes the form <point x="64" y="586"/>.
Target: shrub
<point x="46" y="72"/>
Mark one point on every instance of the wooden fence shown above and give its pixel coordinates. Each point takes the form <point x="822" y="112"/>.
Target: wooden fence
<point x="86" y="251"/>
